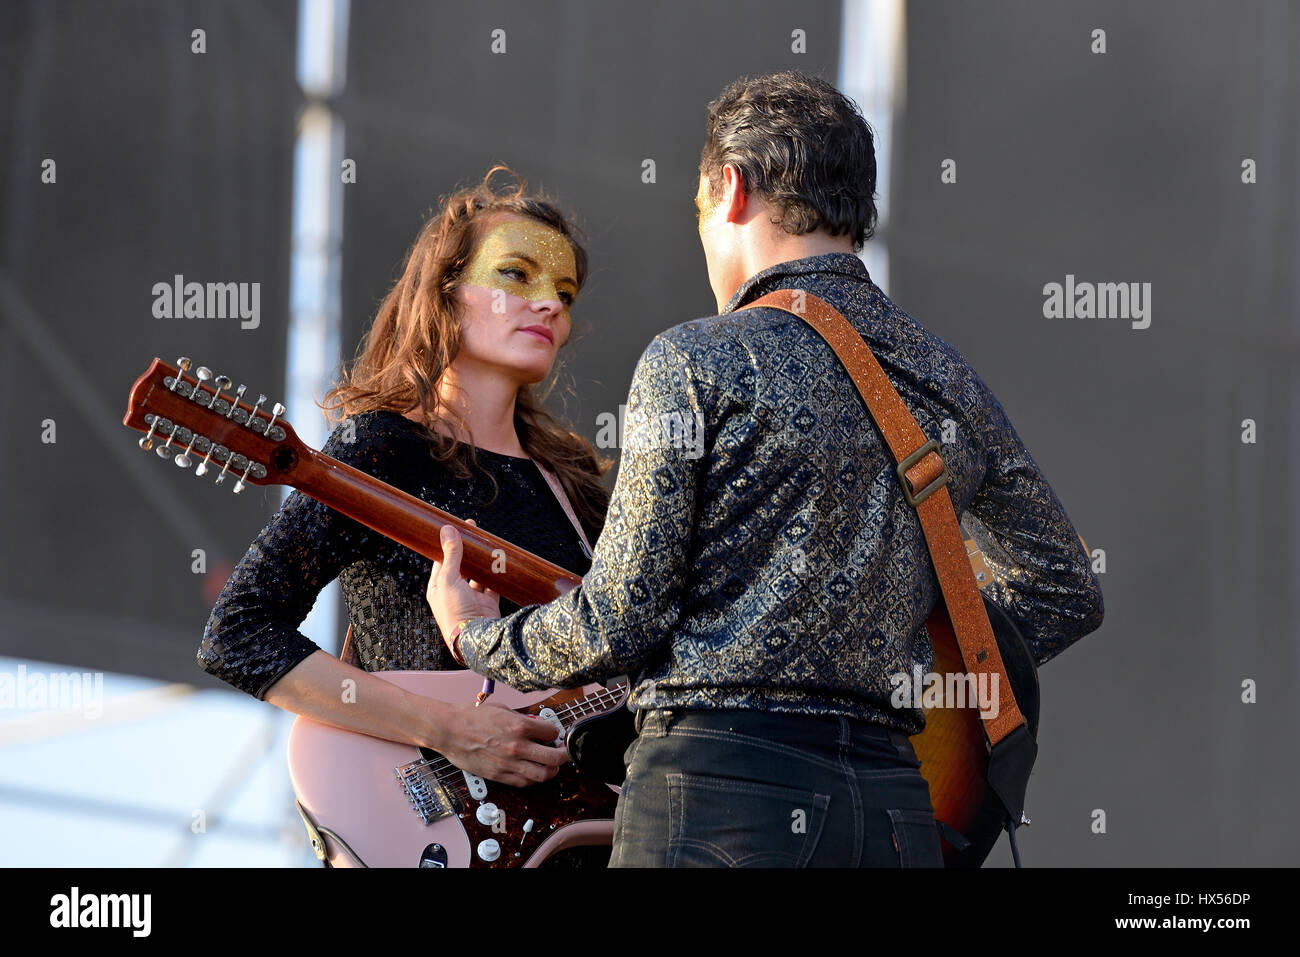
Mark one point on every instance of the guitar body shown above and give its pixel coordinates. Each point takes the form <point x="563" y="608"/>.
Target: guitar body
<point x="953" y="751"/>
<point x="376" y="803"/>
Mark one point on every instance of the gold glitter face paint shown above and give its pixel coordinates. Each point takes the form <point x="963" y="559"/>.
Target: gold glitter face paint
<point x="525" y="258"/>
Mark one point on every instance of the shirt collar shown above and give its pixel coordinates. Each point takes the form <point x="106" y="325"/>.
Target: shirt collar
<point x="780" y="275"/>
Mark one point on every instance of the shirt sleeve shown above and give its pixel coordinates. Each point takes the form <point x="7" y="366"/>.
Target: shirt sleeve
<point x="623" y="613"/>
<point x="252" y="639"/>
<point x="1042" y="577"/>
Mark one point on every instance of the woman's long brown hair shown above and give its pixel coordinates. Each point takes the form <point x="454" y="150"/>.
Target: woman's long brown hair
<point x="416" y="335"/>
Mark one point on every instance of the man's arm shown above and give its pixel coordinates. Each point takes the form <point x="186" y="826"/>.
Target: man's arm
<point x="623" y="613"/>
<point x="1042" y="577"/>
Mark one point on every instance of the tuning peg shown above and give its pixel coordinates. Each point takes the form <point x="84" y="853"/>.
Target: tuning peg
<point x="252" y="416"/>
<point x="203" y="466"/>
<point x="203" y="373"/>
<point x="239" y="394"/>
<point x="239" y="486"/>
<point x="183" y="460"/>
<point x="165" y="450"/>
<point x="182" y="365"/>
<point x="222" y="383"/>
<point x="146" y="441"/>
<point x="221" y="476"/>
<point x="277" y="410"/>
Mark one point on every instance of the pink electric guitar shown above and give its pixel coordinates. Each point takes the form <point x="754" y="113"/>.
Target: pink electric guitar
<point x="369" y="802"/>
<point x="366" y="801"/>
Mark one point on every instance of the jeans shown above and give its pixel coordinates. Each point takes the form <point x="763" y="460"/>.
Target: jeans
<point x="759" y="789"/>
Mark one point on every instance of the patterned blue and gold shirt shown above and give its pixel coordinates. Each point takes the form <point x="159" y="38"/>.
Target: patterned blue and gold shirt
<point x="758" y="552"/>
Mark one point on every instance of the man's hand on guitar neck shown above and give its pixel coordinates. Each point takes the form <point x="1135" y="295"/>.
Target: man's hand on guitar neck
<point x="451" y="598"/>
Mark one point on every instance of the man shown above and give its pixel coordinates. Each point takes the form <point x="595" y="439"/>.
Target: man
<point x="763" y="585"/>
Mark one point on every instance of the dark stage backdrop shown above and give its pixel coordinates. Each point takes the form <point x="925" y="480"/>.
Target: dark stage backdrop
<point x="1126" y="167"/>
<point x="166" y="162"/>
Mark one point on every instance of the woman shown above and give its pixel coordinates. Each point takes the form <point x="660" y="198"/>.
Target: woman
<point x="440" y="403"/>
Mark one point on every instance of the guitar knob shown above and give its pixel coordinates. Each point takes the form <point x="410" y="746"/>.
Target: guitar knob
<point x="489" y="850"/>
<point x="487" y="813"/>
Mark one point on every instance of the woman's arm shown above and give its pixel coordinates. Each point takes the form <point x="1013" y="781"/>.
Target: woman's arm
<point x="252" y="640"/>
<point x="492" y="742"/>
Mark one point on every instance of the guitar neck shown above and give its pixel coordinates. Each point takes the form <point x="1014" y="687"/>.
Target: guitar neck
<point x="515" y="574"/>
<point x="180" y="416"/>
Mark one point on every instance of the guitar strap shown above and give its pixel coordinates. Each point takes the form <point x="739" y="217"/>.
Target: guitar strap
<point x="959" y="616"/>
<point x="558" y="489"/>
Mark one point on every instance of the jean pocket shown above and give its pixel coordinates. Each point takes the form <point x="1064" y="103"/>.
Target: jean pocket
<point x="731" y="822"/>
<point x="916" y="837"/>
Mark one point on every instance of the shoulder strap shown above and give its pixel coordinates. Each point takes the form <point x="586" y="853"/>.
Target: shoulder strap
<point x="920" y="467"/>
<point x="558" y="489"/>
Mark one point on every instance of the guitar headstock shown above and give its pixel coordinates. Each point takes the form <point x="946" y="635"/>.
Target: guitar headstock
<point x="202" y="423"/>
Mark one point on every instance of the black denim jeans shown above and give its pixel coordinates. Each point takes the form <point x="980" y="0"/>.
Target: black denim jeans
<point x="759" y="789"/>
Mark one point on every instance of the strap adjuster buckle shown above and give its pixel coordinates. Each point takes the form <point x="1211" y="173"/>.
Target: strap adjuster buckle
<point x="939" y="481"/>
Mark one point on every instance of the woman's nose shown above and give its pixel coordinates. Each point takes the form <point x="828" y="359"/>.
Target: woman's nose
<point x="552" y="304"/>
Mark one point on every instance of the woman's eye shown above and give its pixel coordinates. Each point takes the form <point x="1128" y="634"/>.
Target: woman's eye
<point x="520" y="275"/>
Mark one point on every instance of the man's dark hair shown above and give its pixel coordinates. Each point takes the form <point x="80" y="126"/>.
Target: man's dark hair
<point x="803" y="145"/>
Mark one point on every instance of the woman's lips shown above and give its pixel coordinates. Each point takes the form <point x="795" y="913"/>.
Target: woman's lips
<point x="539" y="332"/>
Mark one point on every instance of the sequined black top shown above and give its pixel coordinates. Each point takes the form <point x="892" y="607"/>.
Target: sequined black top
<point x="252" y="636"/>
<point x="758" y="551"/>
